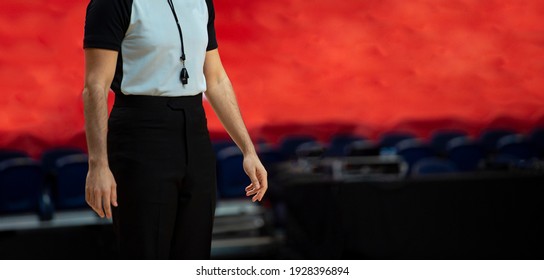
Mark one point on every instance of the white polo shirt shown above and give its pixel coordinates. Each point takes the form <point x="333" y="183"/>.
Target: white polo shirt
<point x="145" y="34"/>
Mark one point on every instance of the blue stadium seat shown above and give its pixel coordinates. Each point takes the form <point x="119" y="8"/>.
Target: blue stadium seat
<point x="269" y="155"/>
<point x="433" y="166"/>
<point x="218" y="145"/>
<point x="537" y="137"/>
<point x="490" y="138"/>
<point x="310" y="149"/>
<point x="439" y="139"/>
<point x="71" y="173"/>
<point x="339" y="143"/>
<point x="289" y="144"/>
<point x="465" y="153"/>
<point x="231" y="177"/>
<point x="50" y="157"/>
<point x="10" y="154"/>
<point x="20" y="185"/>
<point x="517" y="146"/>
<point x="505" y="162"/>
<point x="389" y="140"/>
<point x="362" y="148"/>
<point x="413" y="150"/>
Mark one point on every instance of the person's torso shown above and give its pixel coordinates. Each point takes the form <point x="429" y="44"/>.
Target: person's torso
<point x="151" y="50"/>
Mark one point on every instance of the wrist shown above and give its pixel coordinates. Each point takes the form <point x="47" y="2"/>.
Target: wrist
<point x="95" y="163"/>
<point x="249" y="150"/>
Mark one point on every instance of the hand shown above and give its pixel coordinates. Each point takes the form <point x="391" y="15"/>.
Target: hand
<point x="258" y="176"/>
<point x="101" y="190"/>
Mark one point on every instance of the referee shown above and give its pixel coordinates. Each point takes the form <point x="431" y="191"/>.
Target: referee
<point x="151" y="163"/>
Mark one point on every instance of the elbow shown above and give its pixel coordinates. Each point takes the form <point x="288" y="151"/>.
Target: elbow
<point x="91" y="91"/>
<point x="217" y="83"/>
<point x="85" y="94"/>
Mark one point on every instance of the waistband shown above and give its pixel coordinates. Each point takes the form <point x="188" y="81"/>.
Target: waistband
<point x="146" y="101"/>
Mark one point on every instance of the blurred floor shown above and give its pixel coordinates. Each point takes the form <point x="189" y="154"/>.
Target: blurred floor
<point x="241" y="231"/>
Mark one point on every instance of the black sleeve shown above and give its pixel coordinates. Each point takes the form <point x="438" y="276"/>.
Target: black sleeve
<point x="106" y="23"/>
<point x="212" y="40"/>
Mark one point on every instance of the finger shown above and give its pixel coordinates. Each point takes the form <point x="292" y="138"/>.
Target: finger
<point x="98" y="204"/>
<point x="250" y="187"/>
<point x="263" y="178"/>
<point x="253" y="178"/>
<point x="114" y="195"/>
<point x="260" y="194"/>
<point x="89" y="198"/>
<point x="251" y="192"/>
<point x="92" y="205"/>
<point x="107" y="205"/>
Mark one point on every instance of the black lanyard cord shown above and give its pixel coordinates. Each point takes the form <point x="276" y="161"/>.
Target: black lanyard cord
<point x="184" y="75"/>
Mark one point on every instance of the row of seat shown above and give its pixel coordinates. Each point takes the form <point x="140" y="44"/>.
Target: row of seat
<point x="468" y="154"/>
<point x="352" y="145"/>
<point x="446" y="151"/>
<point x="56" y="181"/>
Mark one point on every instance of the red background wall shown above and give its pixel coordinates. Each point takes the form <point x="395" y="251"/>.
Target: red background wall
<point x="319" y="67"/>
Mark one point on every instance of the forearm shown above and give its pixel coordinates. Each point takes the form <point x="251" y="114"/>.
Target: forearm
<point x="96" y="124"/>
<point x="223" y="100"/>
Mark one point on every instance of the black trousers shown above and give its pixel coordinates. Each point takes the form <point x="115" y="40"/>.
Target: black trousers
<point x="162" y="159"/>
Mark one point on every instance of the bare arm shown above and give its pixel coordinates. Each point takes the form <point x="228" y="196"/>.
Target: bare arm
<point x="100" y="186"/>
<point x="223" y="100"/>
